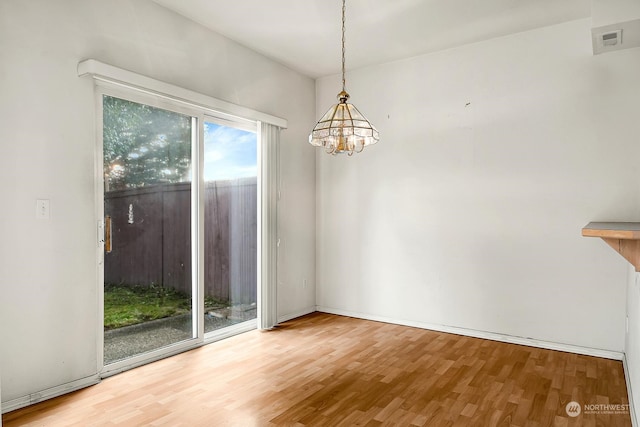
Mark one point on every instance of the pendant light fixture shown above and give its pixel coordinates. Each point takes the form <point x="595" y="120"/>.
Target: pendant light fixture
<point x="343" y="129"/>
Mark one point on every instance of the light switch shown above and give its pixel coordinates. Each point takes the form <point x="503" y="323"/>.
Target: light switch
<point x="42" y="209"/>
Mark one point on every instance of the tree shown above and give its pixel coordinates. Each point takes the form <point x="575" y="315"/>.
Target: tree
<point x="144" y="145"/>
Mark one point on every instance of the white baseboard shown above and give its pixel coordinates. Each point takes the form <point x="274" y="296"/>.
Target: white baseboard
<point x="49" y="393"/>
<point x="627" y="378"/>
<point x="596" y="352"/>
<point x="300" y="313"/>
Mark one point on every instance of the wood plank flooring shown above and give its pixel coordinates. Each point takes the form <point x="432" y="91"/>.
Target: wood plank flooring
<point x="326" y="370"/>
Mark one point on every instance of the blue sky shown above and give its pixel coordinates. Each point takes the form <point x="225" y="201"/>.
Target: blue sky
<point x="229" y="152"/>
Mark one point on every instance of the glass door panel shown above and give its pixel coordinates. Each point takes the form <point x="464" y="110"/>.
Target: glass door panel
<point x="230" y="231"/>
<point x="148" y="297"/>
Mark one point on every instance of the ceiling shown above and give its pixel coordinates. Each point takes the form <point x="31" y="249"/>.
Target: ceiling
<point x="305" y="34"/>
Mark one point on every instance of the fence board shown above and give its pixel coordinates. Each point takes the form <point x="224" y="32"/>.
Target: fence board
<point x="216" y="241"/>
<point x="156" y="246"/>
<point x="176" y="237"/>
<point x="243" y="227"/>
<point x="129" y="262"/>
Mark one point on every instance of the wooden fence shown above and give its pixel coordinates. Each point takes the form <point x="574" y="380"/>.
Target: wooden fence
<point x="150" y="238"/>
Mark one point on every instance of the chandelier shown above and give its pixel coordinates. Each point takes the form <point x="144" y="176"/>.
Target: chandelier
<point x="343" y="129"/>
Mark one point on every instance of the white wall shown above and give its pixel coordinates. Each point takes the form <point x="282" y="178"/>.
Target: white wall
<point x="632" y="344"/>
<point x="468" y="213"/>
<point x="606" y="12"/>
<point x="48" y="289"/>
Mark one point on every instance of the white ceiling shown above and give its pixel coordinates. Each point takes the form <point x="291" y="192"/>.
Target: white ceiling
<point x="305" y="34"/>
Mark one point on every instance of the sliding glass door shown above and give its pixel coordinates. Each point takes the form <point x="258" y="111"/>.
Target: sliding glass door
<point x="180" y="193"/>
<point x="230" y="230"/>
<point x="148" y="282"/>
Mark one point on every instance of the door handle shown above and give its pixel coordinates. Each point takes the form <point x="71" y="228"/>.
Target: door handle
<point x="107" y="234"/>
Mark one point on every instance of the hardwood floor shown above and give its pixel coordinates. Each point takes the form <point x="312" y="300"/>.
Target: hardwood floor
<point x="326" y="370"/>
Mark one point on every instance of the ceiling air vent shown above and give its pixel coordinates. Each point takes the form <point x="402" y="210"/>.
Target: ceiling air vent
<point x="608" y="38"/>
<point x="605" y="40"/>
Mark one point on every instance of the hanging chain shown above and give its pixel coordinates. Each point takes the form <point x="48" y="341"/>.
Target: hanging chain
<point x="343" y="13"/>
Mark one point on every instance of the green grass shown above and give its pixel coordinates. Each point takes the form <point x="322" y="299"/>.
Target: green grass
<point x="129" y="305"/>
